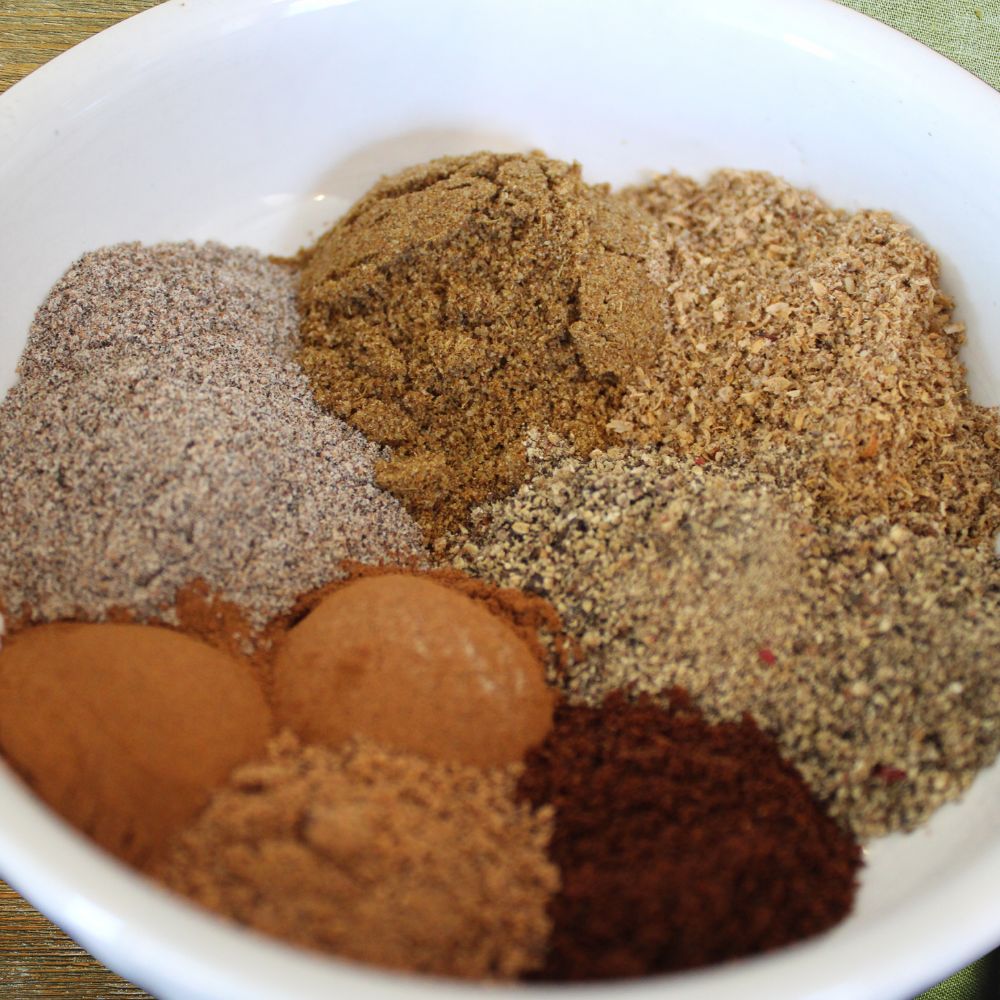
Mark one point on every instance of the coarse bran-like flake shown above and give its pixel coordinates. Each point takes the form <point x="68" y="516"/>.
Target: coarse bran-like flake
<point x="791" y="327"/>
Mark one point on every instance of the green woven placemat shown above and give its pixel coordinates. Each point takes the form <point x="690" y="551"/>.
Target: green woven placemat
<point x="963" y="30"/>
<point x="970" y="983"/>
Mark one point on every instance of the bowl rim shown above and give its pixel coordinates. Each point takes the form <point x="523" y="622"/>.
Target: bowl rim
<point x="148" y="935"/>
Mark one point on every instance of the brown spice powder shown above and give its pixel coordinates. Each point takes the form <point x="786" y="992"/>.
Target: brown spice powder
<point x="125" y="730"/>
<point x="464" y="300"/>
<point x="680" y="843"/>
<point x="415" y="665"/>
<point x="798" y="333"/>
<point x="533" y="618"/>
<point x="378" y="856"/>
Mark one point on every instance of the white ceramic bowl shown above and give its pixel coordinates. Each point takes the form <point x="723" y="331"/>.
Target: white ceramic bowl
<point x="258" y="121"/>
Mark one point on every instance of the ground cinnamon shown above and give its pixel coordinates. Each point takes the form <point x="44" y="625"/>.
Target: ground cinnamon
<point x="405" y="660"/>
<point x="125" y="730"/>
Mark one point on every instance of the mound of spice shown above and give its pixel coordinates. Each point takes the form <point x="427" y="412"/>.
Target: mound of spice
<point x="465" y="300"/>
<point x="796" y="331"/>
<point x="867" y="651"/>
<point x="680" y="843"/>
<point x="376" y="855"/>
<point x="126" y="730"/>
<point x="162" y="431"/>
<point x="407" y="661"/>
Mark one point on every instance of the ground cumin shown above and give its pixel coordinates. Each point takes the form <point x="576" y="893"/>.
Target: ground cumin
<point x="820" y="343"/>
<point x="467" y="299"/>
<point x="679" y="843"/>
<point x="376" y="855"/>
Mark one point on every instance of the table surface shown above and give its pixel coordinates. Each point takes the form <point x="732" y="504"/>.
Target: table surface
<point x="36" y="958"/>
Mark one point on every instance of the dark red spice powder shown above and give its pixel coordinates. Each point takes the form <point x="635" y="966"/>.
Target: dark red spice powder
<point x="680" y="843"/>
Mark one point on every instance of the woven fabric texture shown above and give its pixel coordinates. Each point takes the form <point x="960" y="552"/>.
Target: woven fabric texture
<point x="968" y="984"/>
<point x="967" y="31"/>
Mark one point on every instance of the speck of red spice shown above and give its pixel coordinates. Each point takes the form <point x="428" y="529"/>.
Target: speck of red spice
<point x="767" y="655"/>
<point x="888" y="775"/>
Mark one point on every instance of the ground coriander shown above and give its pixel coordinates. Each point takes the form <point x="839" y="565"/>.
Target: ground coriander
<point x="792" y="328"/>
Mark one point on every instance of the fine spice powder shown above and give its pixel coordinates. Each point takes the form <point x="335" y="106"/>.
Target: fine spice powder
<point x="376" y="855"/>
<point x="463" y="301"/>
<point x="161" y="431"/>
<point x="701" y="453"/>
<point x="680" y="843"/>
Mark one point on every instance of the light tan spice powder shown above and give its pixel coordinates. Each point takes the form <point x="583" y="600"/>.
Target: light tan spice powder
<point x="376" y="855"/>
<point x="464" y="300"/>
<point x="796" y="331"/>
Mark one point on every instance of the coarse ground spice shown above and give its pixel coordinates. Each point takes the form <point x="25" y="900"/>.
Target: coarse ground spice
<point x="679" y="843"/>
<point x="378" y="856"/>
<point x="162" y="432"/>
<point x="868" y="651"/>
<point x="464" y="300"/>
<point x="796" y="331"/>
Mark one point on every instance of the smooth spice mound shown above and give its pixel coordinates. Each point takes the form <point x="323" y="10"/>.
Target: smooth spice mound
<point x="126" y="730"/>
<point x="797" y="332"/>
<point x="162" y="431"/>
<point x="411" y="663"/>
<point x="465" y="300"/>
<point x="868" y="651"/>
<point x="680" y="843"/>
<point x="376" y="855"/>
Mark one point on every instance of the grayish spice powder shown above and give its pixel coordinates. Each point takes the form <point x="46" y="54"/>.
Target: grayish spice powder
<point x="869" y="651"/>
<point x="162" y="431"/>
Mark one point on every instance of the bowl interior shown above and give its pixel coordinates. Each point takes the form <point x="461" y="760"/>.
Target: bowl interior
<point x="259" y="122"/>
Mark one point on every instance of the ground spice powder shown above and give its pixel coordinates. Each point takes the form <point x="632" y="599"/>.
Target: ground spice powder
<point x="680" y="843"/>
<point x="162" y="432"/>
<point x="376" y="855"/>
<point x="860" y="648"/>
<point x="796" y="332"/>
<point x="467" y="299"/>
<point x="413" y="664"/>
